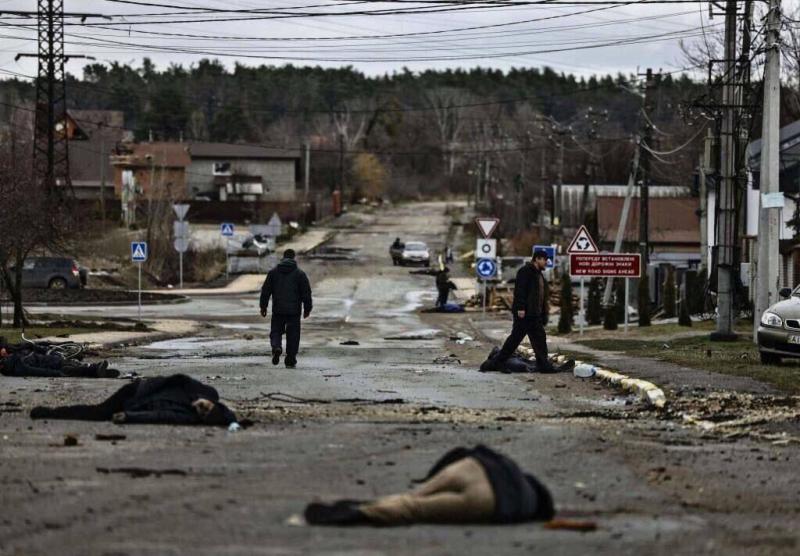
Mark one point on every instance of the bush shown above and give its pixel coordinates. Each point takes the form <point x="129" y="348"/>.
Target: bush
<point x="669" y="293"/>
<point x="594" y="313"/>
<point x="644" y="300"/>
<point x="565" y="320"/>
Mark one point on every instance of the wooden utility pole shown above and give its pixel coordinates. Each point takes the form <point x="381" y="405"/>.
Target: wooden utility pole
<point x="767" y="275"/>
<point x="726" y="215"/>
<point x="341" y="166"/>
<point x="544" y="230"/>
<point x="307" y="168"/>
<point x="644" y="193"/>
<point x="103" y="163"/>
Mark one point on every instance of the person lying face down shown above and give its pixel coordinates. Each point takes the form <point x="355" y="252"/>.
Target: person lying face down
<point x="466" y="486"/>
<point x="50" y="366"/>
<point x="518" y="364"/>
<point x="168" y="400"/>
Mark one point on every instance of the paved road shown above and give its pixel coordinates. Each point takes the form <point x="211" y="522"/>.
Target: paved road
<point x="651" y="484"/>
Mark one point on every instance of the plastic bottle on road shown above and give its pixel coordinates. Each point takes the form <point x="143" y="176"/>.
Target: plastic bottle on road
<point x="584" y="370"/>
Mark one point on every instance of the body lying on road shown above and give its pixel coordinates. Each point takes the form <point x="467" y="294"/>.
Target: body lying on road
<point x="519" y="364"/>
<point x="168" y="400"/>
<point x="50" y="366"/>
<point x="464" y="486"/>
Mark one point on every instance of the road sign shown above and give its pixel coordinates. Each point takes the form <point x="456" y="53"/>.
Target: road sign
<point x="583" y="243"/>
<point x="608" y="265"/>
<point x="486" y="268"/>
<point x="486" y="249"/>
<point x="180" y="210"/>
<point x="139" y="251"/>
<point x="181" y="244"/>
<point x="181" y="229"/>
<point x="227" y="229"/>
<point x="551" y="254"/>
<point x="487" y="226"/>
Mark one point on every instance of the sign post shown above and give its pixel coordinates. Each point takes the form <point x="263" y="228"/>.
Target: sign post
<point x="582" y="243"/>
<point x="139" y="255"/>
<point x="181" y="234"/>
<point x="485" y="269"/>
<point x="627" y="293"/>
<point x="227" y="229"/>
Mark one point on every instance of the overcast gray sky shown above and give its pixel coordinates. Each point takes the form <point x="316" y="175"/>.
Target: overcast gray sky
<point x="446" y="41"/>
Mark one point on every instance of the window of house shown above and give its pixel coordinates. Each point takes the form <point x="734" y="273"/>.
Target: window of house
<point x="222" y="168"/>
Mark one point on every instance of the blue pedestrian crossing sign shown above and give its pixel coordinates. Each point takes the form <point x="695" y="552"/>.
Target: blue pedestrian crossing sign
<point x="139" y="251"/>
<point x="551" y="254"/>
<point x="486" y="268"/>
<point x="227" y="229"/>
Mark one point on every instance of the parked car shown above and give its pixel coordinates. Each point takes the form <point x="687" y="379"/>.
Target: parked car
<point x="415" y="252"/>
<point x="55" y="273"/>
<point x="779" y="331"/>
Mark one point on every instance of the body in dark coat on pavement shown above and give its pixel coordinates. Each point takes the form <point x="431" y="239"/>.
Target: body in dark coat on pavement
<point x="168" y="400"/>
<point x="51" y="366"/>
<point x="290" y="291"/>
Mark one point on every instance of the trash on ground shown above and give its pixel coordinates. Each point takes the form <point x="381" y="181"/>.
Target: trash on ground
<point x="570" y="525"/>
<point x="70" y="440"/>
<point x="140" y="472"/>
<point x="234" y="427"/>
<point x="447" y="360"/>
<point x="109" y="437"/>
<point x="349" y="343"/>
<point x="464" y="340"/>
<point x="584" y="370"/>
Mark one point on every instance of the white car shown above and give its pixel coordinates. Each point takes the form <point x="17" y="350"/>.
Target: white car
<point x="415" y="252"/>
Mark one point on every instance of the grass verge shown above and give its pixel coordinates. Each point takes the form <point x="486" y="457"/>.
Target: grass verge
<point x="730" y="358"/>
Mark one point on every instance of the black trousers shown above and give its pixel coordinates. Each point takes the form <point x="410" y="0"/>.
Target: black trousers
<point x="289" y="325"/>
<point x="100" y="412"/>
<point x="444" y="293"/>
<point x="533" y="328"/>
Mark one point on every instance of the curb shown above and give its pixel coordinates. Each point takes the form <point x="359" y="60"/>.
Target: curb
<point x="647" y="391"/>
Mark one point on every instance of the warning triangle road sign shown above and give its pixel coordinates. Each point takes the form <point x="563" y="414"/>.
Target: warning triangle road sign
<point x="583" y="243"/>
<point x="487" y="226"/>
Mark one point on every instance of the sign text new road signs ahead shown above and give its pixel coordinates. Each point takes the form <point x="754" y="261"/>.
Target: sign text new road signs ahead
<point x="609" y="265"/>
<point x="227" y="229"/>
<point x="486" y="268"/>
<point x="487" y="226"/>
<point x="139" y="251"/>
<point x="551" y="254"/>
<point x="486" y="249"/>
<point x="582" y="243"/>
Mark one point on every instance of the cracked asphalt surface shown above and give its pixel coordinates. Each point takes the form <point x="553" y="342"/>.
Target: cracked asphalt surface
<point x="651" y="483"/>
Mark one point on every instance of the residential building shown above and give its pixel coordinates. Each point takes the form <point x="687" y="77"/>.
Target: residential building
<point x="93" y="136"/>
<point x="235" y="172"/>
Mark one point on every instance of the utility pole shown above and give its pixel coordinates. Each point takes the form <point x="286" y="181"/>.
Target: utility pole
<point x="726" y="217"/>
<point x="769" y="215"/>
<point x="544" y="231"/>
<point x="103" y="162"/>
<point x="307" y="168"/>
<point x="50" y="150"/>
<point x="644" y="194"/>
<point x="594" y="119"/>
<point x="341" y="166"/>
<point x="559" y="178"/>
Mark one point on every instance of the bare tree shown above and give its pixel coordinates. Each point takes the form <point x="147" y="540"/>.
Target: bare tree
<point x="450" y="111"/>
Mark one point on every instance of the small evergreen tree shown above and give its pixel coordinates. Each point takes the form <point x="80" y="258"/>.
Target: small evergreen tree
<point x="594" y="312"/>
<point x="684" y="318"/>
<point x="644" y="300"/>
<point x="610" y="319"/>
<point x="669" y="293"/>
<point x="565" y="320"/>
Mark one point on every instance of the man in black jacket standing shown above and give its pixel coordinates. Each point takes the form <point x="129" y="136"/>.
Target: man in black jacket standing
<point x="530" y="310"/>
<point x="290" y="290"/>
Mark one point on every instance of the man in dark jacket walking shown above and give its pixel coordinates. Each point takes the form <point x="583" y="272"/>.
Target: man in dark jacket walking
<point x="290" y="291"/>
<point x="530" y="310"/>
<point x="443" y="286"/>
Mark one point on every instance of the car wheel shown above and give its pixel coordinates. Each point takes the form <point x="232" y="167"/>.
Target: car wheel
<point x="57" y="284"/>
<point x="770" y="358"/>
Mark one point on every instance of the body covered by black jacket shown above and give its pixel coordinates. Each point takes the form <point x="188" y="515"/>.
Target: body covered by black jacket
<point x="289" y="289"/>
<point x="526" y="292"/>
<point x="168" y="399"/>
<point x="518" y="497"/>
<point x="33" y="364"/>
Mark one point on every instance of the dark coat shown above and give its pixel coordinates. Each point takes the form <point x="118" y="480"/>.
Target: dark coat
<point x="289" y="288"/>
<point x="168" y="399"/>
<point x="33" y="364"/>
<point x="526" y="292"/>
<point x="443" y="282"/>
<point x="518" y="497"/>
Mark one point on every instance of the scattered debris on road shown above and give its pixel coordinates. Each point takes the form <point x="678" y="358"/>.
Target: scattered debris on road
<point x="141" y="472"/>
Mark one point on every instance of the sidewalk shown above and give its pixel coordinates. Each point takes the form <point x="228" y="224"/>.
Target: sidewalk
<point x="163" y="329"/>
